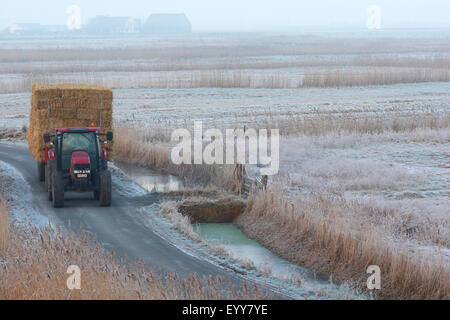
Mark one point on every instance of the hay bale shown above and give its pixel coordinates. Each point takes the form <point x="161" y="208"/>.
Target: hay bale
<point x="67" y="105"/>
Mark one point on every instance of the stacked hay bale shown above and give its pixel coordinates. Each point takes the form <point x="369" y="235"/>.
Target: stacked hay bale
<point x="67" y="105"/>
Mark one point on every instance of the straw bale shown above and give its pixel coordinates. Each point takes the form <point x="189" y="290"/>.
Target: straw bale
<point x="67" y="105"/>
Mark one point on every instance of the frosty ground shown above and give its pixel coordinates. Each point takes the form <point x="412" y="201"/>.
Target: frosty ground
<point x="364" y="169"/>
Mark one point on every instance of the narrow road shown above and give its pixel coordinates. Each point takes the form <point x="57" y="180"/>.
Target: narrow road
<point x="117" y="227"/>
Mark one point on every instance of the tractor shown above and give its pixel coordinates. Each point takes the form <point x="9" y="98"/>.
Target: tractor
<point x="77" y="160"/>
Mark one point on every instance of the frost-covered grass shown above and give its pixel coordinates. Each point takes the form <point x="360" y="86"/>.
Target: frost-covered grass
<point x="13" y="134"/>
<point x="181" y="222"/>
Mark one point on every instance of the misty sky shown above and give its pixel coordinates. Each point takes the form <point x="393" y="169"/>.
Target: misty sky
<point x="240" y="15"/>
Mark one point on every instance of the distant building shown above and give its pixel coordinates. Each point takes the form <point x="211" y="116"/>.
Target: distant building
<point x="25" y="28"/>
<point x="34" y="28"/>
<point x="165" y="23"/>
<point x="105" y="24"/>
<point x="12" y="29"/>
<point x="155" y="24"/>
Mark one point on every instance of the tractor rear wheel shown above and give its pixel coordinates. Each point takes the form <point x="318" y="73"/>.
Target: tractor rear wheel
<point x="58" y="190"/>
<point x="105" y="188"/>
<point x="41" y="170"/>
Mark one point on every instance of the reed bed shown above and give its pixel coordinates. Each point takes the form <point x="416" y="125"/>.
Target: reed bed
<point x="321" y="233"/>
<point x="257" y="79"/>
<point x="221" y="63"/>
<point x="373" y="76"/>
<point x="325" y="123"/>
<point x="232" y="62"/>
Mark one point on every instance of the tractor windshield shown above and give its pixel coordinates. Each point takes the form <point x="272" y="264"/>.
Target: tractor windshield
<point x="78" y="142"/>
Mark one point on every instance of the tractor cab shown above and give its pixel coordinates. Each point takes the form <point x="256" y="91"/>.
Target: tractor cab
<point x="80" y="157"/>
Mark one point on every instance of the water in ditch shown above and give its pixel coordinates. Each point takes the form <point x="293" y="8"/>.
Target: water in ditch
<point x="241" y="248"/>
<point x="150" y="180"/>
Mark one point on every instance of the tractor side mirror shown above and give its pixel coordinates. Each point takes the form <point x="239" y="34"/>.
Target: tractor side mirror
<point x="46" y="138"/>
<point x="109" y="136"/>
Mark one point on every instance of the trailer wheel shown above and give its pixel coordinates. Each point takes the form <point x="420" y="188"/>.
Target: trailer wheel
<point x="105" y="188"/>
<point x="41" y="170"/>
<point x="48" y="182"/>
<point x="58" y="190"/>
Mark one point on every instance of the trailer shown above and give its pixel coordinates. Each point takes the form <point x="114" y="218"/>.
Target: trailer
<point x="73" y="156"/>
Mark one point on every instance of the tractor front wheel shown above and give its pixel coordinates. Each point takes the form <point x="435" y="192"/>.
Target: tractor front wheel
<point x="105" y="188"/>
<point x="41" y="170"/>
<point x="58" y="190"/>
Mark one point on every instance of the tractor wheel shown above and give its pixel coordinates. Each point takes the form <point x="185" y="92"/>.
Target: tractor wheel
<point x="105" y="188"/>
<point x="57" y="190"/>
<point x="48" y="182"/>
<point x="41" y="171"/>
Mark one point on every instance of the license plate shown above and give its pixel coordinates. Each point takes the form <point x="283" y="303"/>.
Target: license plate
<point x="82" y="175"/>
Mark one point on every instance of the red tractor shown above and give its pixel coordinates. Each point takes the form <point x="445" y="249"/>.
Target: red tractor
<point x="77" y="161"/>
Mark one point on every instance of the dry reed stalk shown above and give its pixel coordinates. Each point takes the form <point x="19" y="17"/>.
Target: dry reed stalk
<point x="4" y="226"/>
<point x="373" y="76"/>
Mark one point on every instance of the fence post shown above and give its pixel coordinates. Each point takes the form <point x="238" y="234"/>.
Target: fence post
<point x="264" y="182"/>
